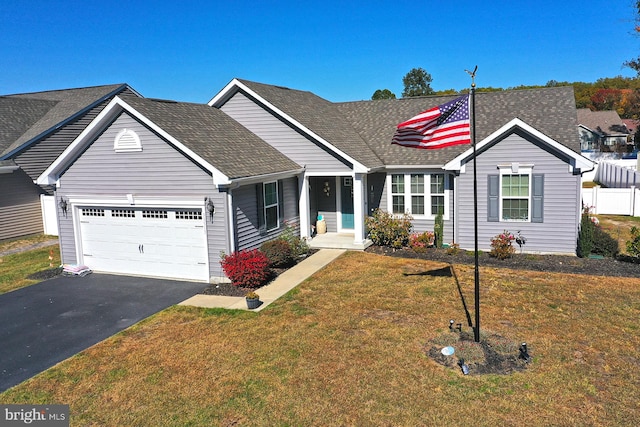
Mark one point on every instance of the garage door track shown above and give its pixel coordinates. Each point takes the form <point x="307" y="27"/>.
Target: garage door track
<point x="43" y="324"/>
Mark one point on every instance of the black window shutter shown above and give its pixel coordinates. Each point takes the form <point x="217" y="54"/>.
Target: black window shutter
<point x="537" y="198"/>
<point x="262" y="226"/>
<point x="281" y="201"/>
<point x="493" y="195"/>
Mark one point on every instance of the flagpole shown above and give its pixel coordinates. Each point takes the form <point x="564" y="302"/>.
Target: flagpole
<point x="476" y="329"/>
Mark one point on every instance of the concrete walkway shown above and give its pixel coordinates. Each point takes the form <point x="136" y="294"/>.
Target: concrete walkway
<point x="274" y="290"/>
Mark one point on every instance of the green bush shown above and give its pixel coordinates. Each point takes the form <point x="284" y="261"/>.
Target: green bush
<point x="585" y="235"/>
<point x="298" y="245"/>
<point x="438" y="229"/>
<point x="603" y="243"/>
<point x="278" y="252"/>
<point x="386" y="229"/>
<point x="633" y="245"/>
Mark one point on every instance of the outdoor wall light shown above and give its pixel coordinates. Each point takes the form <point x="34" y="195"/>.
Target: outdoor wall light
<point x="210" y="207"/>
<point x="63" y="206"/>
<point x="326" y="189"/>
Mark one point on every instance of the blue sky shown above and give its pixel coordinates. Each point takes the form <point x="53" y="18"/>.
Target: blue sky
<point x="340" y="50"/>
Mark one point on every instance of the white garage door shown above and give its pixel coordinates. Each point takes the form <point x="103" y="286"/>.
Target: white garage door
<point x="145" y="241"/>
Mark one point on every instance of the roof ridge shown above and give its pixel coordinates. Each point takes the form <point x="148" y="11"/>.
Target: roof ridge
<point x="65" y="89"/>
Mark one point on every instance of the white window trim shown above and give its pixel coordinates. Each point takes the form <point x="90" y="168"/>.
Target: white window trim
<point x="427" y="194"/>
<point x="515" y="169"/>
<point x="276" y="204"/>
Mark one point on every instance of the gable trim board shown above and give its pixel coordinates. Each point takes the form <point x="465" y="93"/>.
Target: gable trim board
<point x="577" y="163"/>
<point x="235" y="85"/>
<point x="106" y="116"/>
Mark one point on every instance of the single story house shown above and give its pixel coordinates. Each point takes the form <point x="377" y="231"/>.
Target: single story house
<point x="164" y="188"/>
<point x="34" y="130"/>
<point x="602" y="131"/>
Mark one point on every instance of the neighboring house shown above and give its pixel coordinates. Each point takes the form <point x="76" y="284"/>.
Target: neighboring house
<point x="163" y="188"/>
<point x="601" y="130"/>
<point x="34" y="130"/>
<point x="631" y="125"/>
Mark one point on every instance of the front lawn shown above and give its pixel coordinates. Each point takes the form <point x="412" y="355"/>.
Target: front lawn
<point x="349" y="347"/>
<point x="15" y="269"/>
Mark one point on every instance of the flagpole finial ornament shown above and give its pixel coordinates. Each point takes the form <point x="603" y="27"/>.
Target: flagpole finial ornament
<point x="473" y="76"/>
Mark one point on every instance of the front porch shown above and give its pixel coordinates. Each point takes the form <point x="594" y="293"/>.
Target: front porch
<point x="338" y="241"/>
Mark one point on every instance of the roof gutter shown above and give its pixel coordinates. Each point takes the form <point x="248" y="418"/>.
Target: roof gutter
<point x="237" y="182"/>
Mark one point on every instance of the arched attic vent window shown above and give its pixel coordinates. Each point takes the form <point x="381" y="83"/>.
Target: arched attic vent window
<point x="127" y="140"/>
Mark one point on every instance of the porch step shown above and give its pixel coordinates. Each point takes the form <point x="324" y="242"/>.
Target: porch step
<point x="338" y="241"/>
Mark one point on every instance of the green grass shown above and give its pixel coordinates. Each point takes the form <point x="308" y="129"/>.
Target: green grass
<point x="15" y="269"/>
<point x="348" y="347"/>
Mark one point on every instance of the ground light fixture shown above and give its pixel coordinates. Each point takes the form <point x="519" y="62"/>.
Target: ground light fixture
<point x="524" y="353"/>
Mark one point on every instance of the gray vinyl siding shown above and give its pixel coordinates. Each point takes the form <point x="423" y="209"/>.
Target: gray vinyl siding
<point x="421" y="225"/>
<point x="558" y="231"/>
<point x="20" y="209"/>
<point x="282" y="137"/>
<point x="158" y="171"/>
<point x="245" y="205"/>
<point x="320" y="204"/>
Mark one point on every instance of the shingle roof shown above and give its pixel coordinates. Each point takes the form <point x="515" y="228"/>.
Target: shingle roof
<point x="321" y="117"/>
<point x="603" y="122"/>
<point x="38" y="113"/>
<point x="549" y="110"/>
<point x="216" y="137"/>
<point x="18" y="115"/>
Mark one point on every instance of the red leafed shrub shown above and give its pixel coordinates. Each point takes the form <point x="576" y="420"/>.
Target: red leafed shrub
<point x="246" y="268"/>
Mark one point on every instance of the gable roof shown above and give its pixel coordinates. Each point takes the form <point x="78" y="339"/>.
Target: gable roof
<point x="207" y="135"/>
<point x="604" y="123"/>
<point x="38" y="114"/>
<point x="217" y="138"/>
<point x="310" y="114"/>
<point x="576" y="161"/>
<point x="549" y="110"/>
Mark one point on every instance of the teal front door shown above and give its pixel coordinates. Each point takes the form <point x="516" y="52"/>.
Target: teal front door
<point x="346" y="202"/>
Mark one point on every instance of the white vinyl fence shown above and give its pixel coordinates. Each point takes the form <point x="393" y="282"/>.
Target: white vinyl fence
<point x="49" y="215"/>
<point x="612" y="201"/>
<point x="616" y="176"/>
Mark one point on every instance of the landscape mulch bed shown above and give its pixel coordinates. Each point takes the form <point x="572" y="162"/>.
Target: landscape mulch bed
<point x="622" y="266"/>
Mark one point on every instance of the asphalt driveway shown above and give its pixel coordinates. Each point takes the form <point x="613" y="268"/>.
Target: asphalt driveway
<point x="43" y="324"/>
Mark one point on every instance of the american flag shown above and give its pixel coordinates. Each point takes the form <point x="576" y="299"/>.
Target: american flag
<point x="441" y="126"/>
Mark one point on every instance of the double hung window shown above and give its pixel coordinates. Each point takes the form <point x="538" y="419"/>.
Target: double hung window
<point x="420" y="195"/>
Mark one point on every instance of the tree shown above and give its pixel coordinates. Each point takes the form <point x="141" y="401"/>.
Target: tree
<point x="417" y="83"/>
<point x="634" y="64"/>
<point x="383" y="94"/>
<point x="606" y="99"/>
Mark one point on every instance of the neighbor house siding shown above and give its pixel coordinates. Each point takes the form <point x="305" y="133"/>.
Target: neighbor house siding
<point x="20" y="210"/>
<point x="558" y="231"/>
<point x="158" y="172"/>
<point x="248" y="235"/>
<point x="282" y="137"/>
